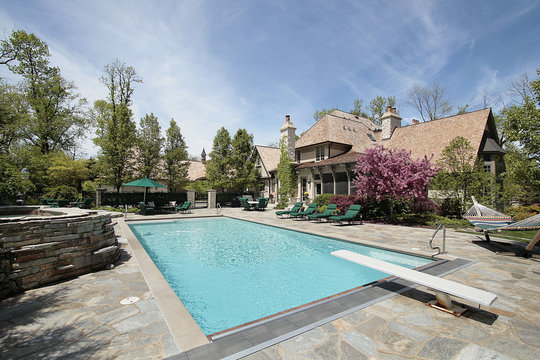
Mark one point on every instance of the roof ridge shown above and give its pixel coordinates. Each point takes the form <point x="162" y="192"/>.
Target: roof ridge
<point x="451" y="116"/>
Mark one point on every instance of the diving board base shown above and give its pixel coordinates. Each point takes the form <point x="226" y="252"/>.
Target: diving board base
<point x="456" y="310"/>
<point x="444" y="303"/>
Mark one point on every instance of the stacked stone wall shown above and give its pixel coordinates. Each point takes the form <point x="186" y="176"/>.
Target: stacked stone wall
<point x="37" y="252"/>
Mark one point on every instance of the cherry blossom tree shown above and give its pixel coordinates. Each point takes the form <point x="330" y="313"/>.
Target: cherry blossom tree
<point x="389" y="174"/>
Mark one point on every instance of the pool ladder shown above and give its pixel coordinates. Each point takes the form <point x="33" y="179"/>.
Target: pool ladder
<point x="218" y="208"/>
<point x="441" y="226"/>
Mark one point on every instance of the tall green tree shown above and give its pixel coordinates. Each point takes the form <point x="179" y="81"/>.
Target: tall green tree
<point x="115" y="128"/>
<point x="55" y="115"/>
<point x="521" y="122"/>
<point x="520" y="125"/>
<point x="287" y="177"/>
<point x="462" y="175"/>
<point x="243" y="161"/>
<point x="377" y="107"/>
<point x="175" y="157"/>
<point x="148" y="146"/>
<point x="218" y="167"/>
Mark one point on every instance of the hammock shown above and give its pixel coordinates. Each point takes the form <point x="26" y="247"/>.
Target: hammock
<point x="488" y="219"/>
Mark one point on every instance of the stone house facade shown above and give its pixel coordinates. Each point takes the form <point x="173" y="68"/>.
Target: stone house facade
<point x="326" y="153"/>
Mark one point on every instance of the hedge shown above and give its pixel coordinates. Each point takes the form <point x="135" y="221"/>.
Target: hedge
<point x="121" y="199"/>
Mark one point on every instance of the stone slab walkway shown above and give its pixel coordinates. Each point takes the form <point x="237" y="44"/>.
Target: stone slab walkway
<point x="83" y="318"/>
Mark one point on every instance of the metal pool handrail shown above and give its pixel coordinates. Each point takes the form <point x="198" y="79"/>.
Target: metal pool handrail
<point x="444" y="240"/>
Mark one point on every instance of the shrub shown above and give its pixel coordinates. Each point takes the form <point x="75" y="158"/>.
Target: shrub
<point x="61" y="192"/>
<point x="323" y="199"/>
<point x="523" y="212"/>
<point x="344" y="202"/>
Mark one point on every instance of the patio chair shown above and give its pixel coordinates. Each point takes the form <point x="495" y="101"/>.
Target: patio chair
<point x="63" y="203"/>
<point x="302" y="214"/>
<point x="244" y="203"/>
<point x="296" y="208"/>
<point x="330" y="209"/>
<point x="185" y="207"/>
<point x="49" y="202"/>
<point x="86" y="204"/>
<point x="263" y="202"/>
<point x="145" y="210"/>
<point x="351" y="215"/>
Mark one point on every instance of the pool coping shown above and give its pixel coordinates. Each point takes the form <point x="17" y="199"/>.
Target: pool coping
<point x="195" y="344"/>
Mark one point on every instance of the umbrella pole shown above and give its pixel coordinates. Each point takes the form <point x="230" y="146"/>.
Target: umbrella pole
<point x="144" y="197"/>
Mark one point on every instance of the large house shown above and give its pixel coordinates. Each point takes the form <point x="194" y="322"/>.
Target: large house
<point x="326" y="153"/>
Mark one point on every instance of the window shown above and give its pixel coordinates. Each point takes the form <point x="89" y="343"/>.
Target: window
<point x="487" y="167"/>
<point x="319" y="153"/>
<point x="298" y="157"/>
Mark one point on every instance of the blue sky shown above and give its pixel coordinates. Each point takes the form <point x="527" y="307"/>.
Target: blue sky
<point x="246" y="64"/>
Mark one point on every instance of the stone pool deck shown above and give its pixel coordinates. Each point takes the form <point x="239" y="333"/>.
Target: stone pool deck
<point x="82" y="318"/>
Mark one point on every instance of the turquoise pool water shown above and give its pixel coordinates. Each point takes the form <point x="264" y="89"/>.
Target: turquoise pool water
<point x="229" y="272"/>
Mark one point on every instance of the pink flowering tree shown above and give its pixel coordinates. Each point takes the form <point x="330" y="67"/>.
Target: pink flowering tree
<point x="387" y="174"/>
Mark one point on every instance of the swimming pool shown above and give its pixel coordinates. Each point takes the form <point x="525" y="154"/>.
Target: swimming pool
<point x="228" y="272"/>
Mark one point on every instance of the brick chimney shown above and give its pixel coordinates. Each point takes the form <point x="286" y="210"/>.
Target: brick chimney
<point x="389" y="121"/>
<point x="203" y="156"/>
<point x="288" y="131"/>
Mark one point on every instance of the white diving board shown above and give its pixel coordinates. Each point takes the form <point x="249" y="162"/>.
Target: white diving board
<point x="439" y="284"/>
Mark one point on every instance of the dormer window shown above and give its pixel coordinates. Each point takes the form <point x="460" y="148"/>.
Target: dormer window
<point x="319" y="153"/>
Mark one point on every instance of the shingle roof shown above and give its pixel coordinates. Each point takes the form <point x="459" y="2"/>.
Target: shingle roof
<point x="433" y="136"/>
<point x="196" y="170"/>
<point x="269" y="157"/>
<point x="339" y="127"/>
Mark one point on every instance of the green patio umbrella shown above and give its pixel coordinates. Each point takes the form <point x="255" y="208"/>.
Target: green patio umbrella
<point x="145" y="183"/>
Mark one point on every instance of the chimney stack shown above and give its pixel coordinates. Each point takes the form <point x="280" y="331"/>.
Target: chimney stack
<point x="389" y="121"/>
<point x="288" y="131"/>
<point x="414" y="121"/>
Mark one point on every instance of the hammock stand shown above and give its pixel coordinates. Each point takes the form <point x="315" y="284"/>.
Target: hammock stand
<point x="488" y="219"/>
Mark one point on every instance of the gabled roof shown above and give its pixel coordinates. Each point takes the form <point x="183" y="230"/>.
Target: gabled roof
<point x="342" y="128"/>
<point x="196" y="170"/>
<point x="433" y="136"/>
<point x="269" y="157"/>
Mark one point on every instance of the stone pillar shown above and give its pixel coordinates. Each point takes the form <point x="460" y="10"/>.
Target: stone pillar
<point x="191" y="197"/>
<point x="212" y="198"/>
<point x="99" y="195"/>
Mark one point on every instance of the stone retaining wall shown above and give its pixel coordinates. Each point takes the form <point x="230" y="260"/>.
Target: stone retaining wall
<point x="39" y="251"/>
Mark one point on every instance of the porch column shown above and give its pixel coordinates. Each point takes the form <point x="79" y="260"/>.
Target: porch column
<point x="348" y="180"/>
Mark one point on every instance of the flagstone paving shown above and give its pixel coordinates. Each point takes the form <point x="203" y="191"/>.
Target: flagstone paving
<point x="82" y="318"/>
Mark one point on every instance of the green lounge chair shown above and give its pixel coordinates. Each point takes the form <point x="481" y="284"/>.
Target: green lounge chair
<point x="49" y="202"/>
<point x="330" y="209"/>
<point x="296" y="208"/>
<point x="351" y="215"/>
<point x="185" y="207"/>
<point x="145" y="210"/>
<point x="263" y="202"/>
<point x="301" y="214"/>
<point x="63" y="203"/>
<point x="86" y="204"/>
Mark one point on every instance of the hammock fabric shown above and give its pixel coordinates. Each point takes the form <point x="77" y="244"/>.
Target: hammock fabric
<point x="488" y="219"/>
